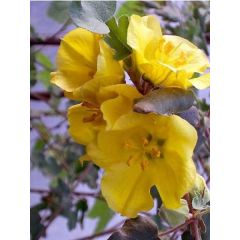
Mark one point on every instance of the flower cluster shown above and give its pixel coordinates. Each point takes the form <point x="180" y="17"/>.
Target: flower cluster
<point x="136" y="151"/>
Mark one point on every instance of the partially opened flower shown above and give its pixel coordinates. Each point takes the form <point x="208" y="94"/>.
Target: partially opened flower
<point x="164" y="60"/>
<point x="86" y="119"/>
<point x="85" y="63"/>
<point x="142" y="151"/>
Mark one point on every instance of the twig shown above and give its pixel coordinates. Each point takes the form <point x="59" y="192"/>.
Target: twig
<point x="194" y="224"/>
<point x="48" y="41"/>
<point x="110" y="230"/>
<point x="83" y="194"/>
<point x="51" y="219"/>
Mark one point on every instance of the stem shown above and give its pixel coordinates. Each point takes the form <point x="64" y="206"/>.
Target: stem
<point x="194" y="224"/>
<point x="195" y="230"/>
<point x="181" y="226"/>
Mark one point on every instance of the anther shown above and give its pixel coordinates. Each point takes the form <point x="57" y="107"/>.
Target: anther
<point x="156" y="152"/>
<point x="130" y="160"/>
<point x="144" y="164"/>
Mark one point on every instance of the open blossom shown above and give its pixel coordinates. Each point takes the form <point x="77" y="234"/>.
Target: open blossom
<point x="142" y="151"/>
<point x="85" y="63"/>
<point x="165" y="60"/>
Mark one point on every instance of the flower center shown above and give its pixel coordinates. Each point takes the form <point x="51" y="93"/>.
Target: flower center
<point x="149" y="149"/>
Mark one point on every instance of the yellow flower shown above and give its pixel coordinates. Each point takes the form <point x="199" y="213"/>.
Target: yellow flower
<point x="85" y="63"/>
<point x="141" y="151"/>
<point x="163" y="59"/>
<point x="87" y="119"/>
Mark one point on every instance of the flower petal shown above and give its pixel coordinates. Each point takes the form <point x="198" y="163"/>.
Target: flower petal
<point x="201" y="82"/>
<point x="127" y="189"/>
<point x="76" y="59"/>
<point x="173" y="176"/>
<point x="83" y="124"/>
<point x="109" y="72"/>
<point x="119" y="95"/>
<point x="143" y="30"/>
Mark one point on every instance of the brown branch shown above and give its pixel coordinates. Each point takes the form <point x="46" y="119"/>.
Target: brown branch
<point x="82" y="194"/>
<point x="110" y="230"/>
<point x="194" y="225"/>
<point x="47" y="41"/>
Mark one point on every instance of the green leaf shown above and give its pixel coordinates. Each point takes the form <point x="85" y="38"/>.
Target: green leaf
<point x="92" y="15"/>
<point x="117" y="38"/>
<point x="44" y="60"/>
<point x="35" y="224"/>
<point x="72" y="219"/>
<point x="165" y="101"/>
<point x="129" y="8"/>
<point x="140" y="228"/>
<point x="175" y="216"/>
<point x="200" y="200"/>
<point x="101" y="211"/>
<point x="58" y="10"/>
<point x="44" y="77"/>
<point x="82" y="206"/>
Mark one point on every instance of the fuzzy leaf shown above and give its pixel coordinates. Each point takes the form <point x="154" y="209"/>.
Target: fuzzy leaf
<point x="92" y="15"/>
<point x="165" y="101"/>
<point x="103" y="212"/>
<point x="129" y="8"/>
<point x="117" y="38"/>
<point x="140" y="228"/>
<point x="175" y="216"/>
<point x="58" y="10"/>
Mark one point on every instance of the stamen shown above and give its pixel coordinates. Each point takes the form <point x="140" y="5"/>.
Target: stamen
<point x="156" y="153"/>
<point x="145" y="142"/>
<point x="131" y="160"/>
<point x="90" y="118"/>
<point x="144" y="164"/>
<point x="129" y="145"/>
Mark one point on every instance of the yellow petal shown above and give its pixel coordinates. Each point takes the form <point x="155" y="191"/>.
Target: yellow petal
<point x="76" y="59"/>
<point x="84" y="123"/>
<point x="127" y="189"/>
<point x="109" y="72"/>
<point x="182" y="137"/>
<point x="143" y="30"/>
<point x="116" y="97"/>
<point x="113" y="109"/>
<point x="201" y="82"/>
<point x="173" y="176"/>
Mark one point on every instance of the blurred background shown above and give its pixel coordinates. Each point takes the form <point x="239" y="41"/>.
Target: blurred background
<point x="66" y="202"/>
